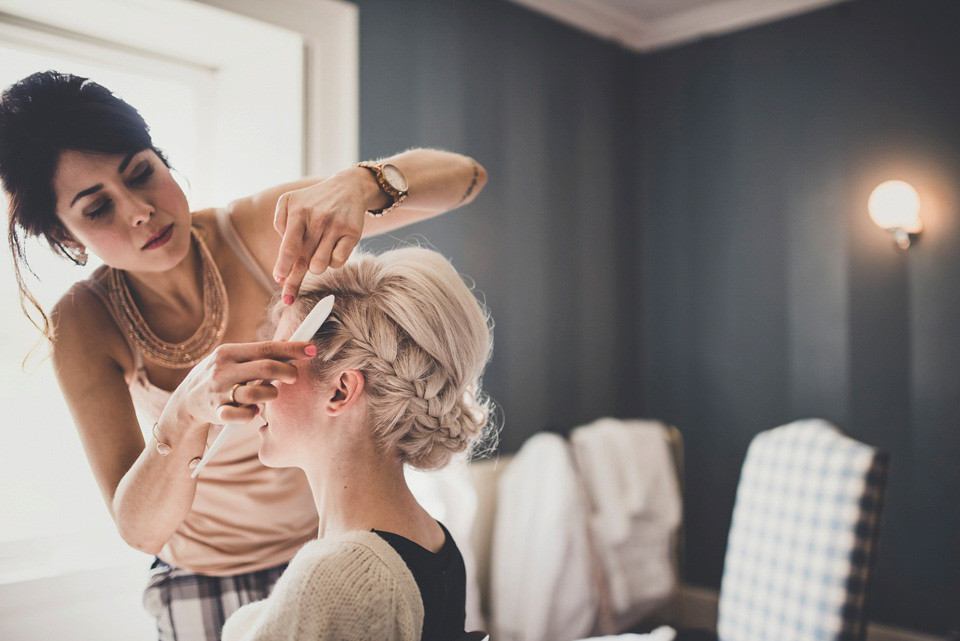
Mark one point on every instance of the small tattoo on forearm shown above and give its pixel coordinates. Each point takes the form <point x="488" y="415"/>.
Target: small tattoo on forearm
<point x="473" y="183"/>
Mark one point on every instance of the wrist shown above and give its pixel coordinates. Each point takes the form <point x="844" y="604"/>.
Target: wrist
<point x="176" y="425"/>
<point x="372" y="197"/>
<point x="180" y="438"/>
<point x="392" y="184"/>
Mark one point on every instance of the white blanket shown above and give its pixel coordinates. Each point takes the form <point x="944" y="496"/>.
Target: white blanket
<point x="631" y="480"/>
<point x="663" y="633"/>
<point x="540" y="571"/>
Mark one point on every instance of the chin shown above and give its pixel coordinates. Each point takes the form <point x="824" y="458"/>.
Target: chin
<point x="266" y="462"/>
<point x="264" y="455"/>
<point x="270" y="459"/>
<point x="171" y="254"/>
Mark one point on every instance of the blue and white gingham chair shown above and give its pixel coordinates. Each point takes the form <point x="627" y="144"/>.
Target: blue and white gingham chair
<point x="803" y="535"/>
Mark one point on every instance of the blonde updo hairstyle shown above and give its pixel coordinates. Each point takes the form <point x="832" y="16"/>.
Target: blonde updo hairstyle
<point x="407" y="321"/>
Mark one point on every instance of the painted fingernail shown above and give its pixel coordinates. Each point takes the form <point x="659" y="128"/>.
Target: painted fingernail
<point x="288" y="300"/>
<point x="310" y="350"/>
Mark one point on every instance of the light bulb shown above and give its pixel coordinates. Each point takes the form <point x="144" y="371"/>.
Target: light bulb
<point x="895" y="204"/>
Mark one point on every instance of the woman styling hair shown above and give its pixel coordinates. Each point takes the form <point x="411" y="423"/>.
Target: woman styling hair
<point x="395" y="382"/>
<point x="157" y="327"/>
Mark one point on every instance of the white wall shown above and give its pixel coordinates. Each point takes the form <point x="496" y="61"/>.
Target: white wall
<point x="331" y="35"/>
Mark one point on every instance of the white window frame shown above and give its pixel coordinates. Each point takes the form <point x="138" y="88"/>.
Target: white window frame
<point x="251" y="54"/>
<point x="331" y="32"/>
<point x="257" y="88"/>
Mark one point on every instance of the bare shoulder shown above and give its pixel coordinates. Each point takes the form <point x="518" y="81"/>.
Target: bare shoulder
<point x="84" y="329"/>
<point x="252" y="216"/>
<point x="91" y="360"/>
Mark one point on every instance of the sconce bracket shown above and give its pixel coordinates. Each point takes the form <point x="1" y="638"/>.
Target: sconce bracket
<point x="903" y="238"/>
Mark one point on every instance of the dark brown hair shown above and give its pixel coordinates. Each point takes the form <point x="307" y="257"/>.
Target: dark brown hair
<point x="41" y="116"/>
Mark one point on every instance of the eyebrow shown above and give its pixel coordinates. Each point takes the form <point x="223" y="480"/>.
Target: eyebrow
<point x="98" y="187"/>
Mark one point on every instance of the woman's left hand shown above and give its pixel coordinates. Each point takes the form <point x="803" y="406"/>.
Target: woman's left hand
<point x="321" y="225"/>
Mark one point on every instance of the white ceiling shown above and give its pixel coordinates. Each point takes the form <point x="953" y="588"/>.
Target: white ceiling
<point x="645" y="25"/>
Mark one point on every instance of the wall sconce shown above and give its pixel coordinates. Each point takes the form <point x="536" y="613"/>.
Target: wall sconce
<point x="895" y="206"/>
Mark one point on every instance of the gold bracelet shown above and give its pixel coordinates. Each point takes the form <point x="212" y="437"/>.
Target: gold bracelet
<point x="162" y="448"/>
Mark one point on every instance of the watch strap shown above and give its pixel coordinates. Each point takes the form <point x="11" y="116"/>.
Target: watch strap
<point x="396" y="196"/>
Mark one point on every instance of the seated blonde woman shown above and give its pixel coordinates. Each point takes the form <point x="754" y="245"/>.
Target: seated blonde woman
<point x="395" y="382"/>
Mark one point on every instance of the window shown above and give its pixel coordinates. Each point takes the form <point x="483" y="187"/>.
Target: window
<point x="224" y="97"/>
<point x="43" y="469"/>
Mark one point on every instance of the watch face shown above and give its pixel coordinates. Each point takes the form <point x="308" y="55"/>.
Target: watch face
<point x="395" y="177"/>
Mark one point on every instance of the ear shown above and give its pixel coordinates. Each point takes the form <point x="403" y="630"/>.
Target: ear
<point x="60" y="234"/>
<point x="348" y="388"/>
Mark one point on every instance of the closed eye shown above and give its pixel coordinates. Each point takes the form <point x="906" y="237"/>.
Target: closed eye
<point x="101" y="210"/>
<point x="135" y="181"/>
<point x="142" y="177"/>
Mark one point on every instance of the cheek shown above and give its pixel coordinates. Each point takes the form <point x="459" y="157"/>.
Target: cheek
<point x="170" y="196"/>
<point x="277" y="440"/>
<point x="109" y="242"/>
<point x="289" y="408"/>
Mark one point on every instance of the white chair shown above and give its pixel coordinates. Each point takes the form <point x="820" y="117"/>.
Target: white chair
<point x="546" y="579"/>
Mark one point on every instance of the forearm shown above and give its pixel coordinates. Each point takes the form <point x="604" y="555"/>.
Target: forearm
<point x="438" y="181"/>
<point x="320" y="222"/>
<point x="156" y="494"/>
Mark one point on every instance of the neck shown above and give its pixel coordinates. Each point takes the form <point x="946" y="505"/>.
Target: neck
<point x="356" y="489"/>
<point x="179" y="288"/>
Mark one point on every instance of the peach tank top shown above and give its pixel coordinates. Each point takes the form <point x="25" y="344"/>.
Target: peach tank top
<point x="245" y="516"/>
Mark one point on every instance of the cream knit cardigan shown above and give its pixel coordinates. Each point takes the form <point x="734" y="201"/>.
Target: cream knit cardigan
<point x="348" y="587"/>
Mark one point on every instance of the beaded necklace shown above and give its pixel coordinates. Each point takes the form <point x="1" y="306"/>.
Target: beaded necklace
<point x="203" y="341"/>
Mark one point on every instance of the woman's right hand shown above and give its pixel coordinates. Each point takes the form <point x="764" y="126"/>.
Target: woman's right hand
<point x="204" y="395"/>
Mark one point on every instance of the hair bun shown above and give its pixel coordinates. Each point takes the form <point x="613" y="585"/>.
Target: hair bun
<point x="408" y="321"/>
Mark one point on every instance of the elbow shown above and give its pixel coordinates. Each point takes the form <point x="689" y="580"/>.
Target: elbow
<point x="140" y="543"/>
<point x="137" y="540"/>
<point x="134" y="536"/>
<point x="478" y="180"/>
<point x="481" y="177"/>
<point x="153" y="549"/>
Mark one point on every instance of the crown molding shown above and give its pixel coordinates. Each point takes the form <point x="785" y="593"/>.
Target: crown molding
<point x="607" y="21"/>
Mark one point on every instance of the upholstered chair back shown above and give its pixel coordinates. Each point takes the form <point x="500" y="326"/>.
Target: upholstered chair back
<point x="802" y="538"/>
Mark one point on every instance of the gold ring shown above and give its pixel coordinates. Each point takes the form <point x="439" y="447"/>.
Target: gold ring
<point x="233" y="393"/>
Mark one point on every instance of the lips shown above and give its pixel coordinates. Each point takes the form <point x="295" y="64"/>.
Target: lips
<point x="159" y="235"/>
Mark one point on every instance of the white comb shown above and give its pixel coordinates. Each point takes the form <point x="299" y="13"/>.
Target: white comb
<point x="310" y="325"/>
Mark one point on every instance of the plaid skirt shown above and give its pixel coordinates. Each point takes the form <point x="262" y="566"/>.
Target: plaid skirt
<point x="194" y="607"/>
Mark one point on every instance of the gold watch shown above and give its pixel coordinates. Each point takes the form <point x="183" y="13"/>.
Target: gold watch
<point x="392" y="182"/>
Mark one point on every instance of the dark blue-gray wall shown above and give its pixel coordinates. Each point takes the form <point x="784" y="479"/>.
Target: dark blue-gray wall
<point x="770" y="295"/>
<point x="683" y="235"/>
<point x="552" y="242"/>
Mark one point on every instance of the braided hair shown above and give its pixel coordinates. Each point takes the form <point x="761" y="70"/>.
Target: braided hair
<point x="407" y="321"/>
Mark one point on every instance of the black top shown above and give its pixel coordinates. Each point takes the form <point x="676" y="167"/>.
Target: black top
<point x="442" y="579"/>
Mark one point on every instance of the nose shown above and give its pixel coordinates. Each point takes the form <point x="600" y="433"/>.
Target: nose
<point x="139" y="210"/>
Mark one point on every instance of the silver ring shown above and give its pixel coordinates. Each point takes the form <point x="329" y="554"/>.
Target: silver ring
<point x="233" y="393"/>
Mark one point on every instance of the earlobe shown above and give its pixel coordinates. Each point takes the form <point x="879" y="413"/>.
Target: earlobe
<point x="73" y="248"/>
<point x="77" y="251"/>
<point x="65" y="238"/>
